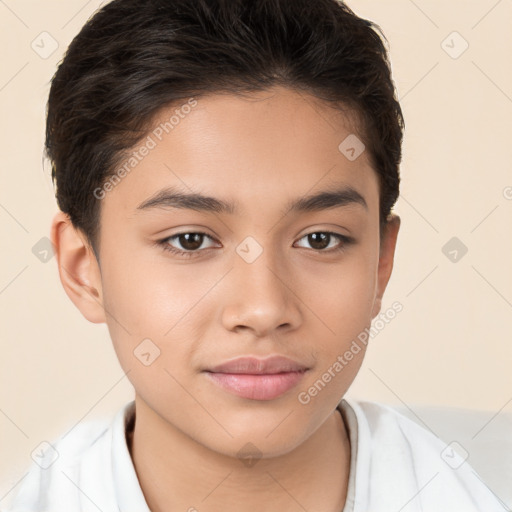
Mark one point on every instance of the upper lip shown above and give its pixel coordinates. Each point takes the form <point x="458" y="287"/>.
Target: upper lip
<point x="256" y="366"/>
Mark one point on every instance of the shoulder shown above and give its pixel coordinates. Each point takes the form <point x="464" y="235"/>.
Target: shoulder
<point x="404" y="464"/>
<point x="74" y="465"/>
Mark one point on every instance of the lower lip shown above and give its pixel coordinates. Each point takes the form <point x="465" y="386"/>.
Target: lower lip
<point x="257" y="387"/>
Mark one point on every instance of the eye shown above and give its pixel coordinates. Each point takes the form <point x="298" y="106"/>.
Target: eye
<point x="190" y="243"/>
<point x="321" y="241"/>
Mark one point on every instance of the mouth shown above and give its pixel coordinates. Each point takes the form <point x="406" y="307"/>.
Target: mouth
<point x="257" y="379"/>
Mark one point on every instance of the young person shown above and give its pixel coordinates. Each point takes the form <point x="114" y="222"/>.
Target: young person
<point x="226" y="172"/>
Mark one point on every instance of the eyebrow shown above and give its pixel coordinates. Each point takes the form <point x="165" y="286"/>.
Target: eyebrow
<point x="327" y="199"/>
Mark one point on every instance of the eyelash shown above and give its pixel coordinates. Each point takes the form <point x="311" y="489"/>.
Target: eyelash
<point x="164" y="244"/>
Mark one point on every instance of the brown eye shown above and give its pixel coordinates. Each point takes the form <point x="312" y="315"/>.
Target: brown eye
<point x="185" y="244"/>
<point x="319" y="240"/>
<point x="190" y="241"/>
<point x="325" y="241"/>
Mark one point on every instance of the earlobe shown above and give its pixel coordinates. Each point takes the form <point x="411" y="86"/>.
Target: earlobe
<point x="386" y="259"/>
<point x="78" y="268"/>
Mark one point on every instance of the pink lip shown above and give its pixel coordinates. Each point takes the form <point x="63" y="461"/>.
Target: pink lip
<point x="257" y="379"/>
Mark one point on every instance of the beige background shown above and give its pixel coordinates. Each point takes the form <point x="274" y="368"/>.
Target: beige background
<point x="451" y="344"/>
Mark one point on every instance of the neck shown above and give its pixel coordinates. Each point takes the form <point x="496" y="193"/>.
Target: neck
<point x="177" y="473"/>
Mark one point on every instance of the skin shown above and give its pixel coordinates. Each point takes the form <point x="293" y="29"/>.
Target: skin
<point x="261" y="151"/>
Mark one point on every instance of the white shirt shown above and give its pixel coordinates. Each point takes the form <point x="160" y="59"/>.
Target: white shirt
<point x="396" y="465"/>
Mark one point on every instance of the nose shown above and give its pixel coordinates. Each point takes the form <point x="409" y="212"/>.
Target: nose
<point x="261" y="298"/>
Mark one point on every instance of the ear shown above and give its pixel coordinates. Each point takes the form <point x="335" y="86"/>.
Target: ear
<point x="386" y="258"/>
<point x="79" y="270"/>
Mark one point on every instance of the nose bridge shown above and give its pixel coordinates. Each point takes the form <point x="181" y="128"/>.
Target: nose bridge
<point x="259" y="268"/>
<point x="261" y="298"/>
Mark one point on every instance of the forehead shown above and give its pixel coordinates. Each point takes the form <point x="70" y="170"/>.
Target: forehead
<point x="262" y="148"/>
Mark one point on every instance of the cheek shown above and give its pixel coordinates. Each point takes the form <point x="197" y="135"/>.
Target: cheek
<point x="342" y="298"/>
<point x="343" y="305"/>
<point x="149" y="297"/>
<point x="149" y="307"/>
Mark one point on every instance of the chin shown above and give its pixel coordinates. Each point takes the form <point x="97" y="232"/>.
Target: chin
<point x="253" y="447"/>
<point x="271" y="433"/>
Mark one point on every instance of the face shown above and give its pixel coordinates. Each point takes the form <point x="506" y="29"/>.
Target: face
<point x="227" y="312"/>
